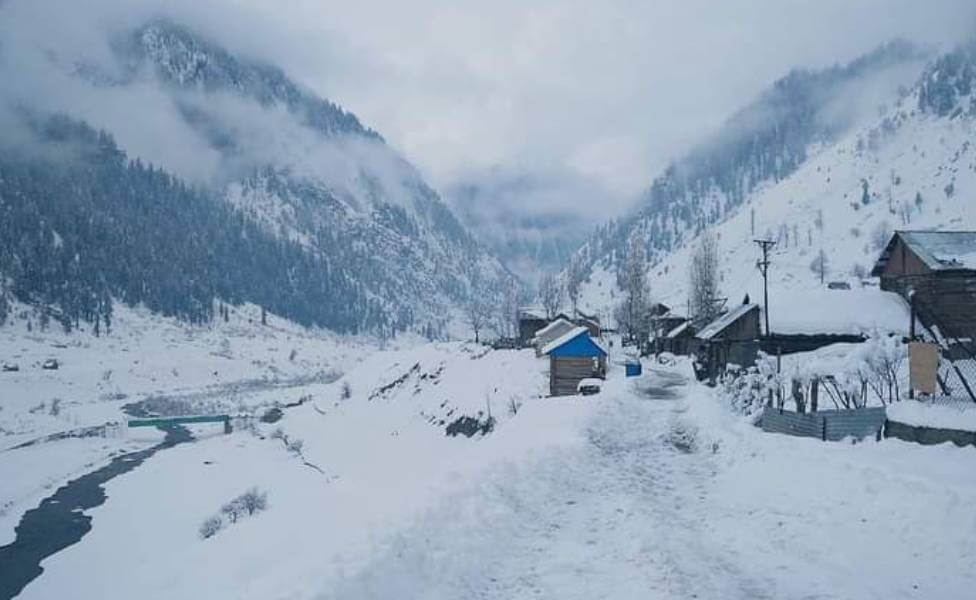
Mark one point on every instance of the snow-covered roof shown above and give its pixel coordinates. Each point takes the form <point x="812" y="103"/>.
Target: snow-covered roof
<point x="551" y="326"/>
<point x="532" y="312"/>
<point x="836" y="312"/>
<point x="939" y="250"/>
<point x="552" y="331"/>
<point x="572" y="333"/>
<point x="678" y="330"/>
<point x="718" y="325"/>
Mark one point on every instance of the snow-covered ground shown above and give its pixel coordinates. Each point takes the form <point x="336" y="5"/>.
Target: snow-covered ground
<point x="651" y="488"/>
<point x="234" y="366"/>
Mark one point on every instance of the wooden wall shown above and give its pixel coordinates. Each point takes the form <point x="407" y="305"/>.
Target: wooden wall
<point x="565" y="372"/>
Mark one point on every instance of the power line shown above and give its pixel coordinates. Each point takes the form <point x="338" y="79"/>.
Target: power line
<point x="763" y="266"/>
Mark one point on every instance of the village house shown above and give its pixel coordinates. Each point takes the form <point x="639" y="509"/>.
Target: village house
<point x="733" y="338"/>
<point x="573" y="357"/>
<point x="935" y="270"/>
<point x="662" y="321"/>
<point x="680" y="340"/>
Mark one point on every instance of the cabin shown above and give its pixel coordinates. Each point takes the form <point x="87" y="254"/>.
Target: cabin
<point x="680" y="340"/>
<point x="935" y="270"/>
<point x="803" y="320"/>
<point x="661" y="324"/>
<point x="530" y="320"/>
<point x="732" y="338"/>
<point x="573" y="357"/>
<point x="550" y="332"/>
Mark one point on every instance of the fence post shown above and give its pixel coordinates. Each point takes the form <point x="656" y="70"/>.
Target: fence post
<point x="814" y="393"/>
<point x="823" y="428"/>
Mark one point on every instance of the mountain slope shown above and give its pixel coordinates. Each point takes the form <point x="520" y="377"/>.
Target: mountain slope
<point x="759" y="146"/>
<point x="301" y="169"/>
<point x="912" y="167"/>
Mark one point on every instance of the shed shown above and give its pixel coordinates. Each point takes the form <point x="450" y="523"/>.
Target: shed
<point x="530" y="320"/>
<point x="731" y="338"/>
<point x="574" y="356"/>
<point x="681" y="339"/>
<point x="938" y="269"/>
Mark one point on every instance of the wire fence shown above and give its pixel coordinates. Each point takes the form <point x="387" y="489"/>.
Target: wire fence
<point x="941" y="324"/>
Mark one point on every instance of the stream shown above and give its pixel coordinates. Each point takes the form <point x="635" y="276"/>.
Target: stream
<point x="59" y="520"/>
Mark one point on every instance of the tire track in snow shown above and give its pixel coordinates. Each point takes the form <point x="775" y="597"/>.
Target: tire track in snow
<point x="621" y="517"/>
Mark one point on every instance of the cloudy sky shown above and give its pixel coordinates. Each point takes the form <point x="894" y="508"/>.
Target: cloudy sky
<point x="608" y="90"/>
<point x="612" y="89"/>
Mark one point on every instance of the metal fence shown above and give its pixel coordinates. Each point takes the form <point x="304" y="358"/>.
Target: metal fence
<point x="828" y="425"/>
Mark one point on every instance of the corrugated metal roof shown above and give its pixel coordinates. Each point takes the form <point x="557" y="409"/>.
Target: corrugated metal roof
<point x="569" y="336"/>
<point x="939" y="250"/>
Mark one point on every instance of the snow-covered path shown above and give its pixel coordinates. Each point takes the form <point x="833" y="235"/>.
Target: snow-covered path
<point x="618" y="517"/>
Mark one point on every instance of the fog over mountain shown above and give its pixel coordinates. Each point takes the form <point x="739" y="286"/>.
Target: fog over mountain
<point x="606" y="94"/>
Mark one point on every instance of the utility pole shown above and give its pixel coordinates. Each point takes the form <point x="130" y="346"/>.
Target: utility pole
<point x="763" y="266"/>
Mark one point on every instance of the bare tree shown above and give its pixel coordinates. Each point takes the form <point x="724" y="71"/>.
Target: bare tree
<point x="550" y="294"/>
<point x="574" y="282"/>
<point x="820" y="265"/>
<point x="506" y="316"/>
<point x="703" y="279"/>
<point x="477" y="314"/>
<point x="633" y="316"/>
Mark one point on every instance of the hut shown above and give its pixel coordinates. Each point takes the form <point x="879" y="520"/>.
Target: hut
<point x="936" y="270"/>
<point x="680" y="339"/>
<point x="530" y="320"/>
<point x="733" y="338"/>
<point x="573" y="357"/>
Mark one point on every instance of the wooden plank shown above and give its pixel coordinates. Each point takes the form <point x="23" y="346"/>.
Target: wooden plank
<point x="923" y="365"/>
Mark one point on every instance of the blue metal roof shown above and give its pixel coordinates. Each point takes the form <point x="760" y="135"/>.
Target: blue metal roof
<point x="579" y="345"/>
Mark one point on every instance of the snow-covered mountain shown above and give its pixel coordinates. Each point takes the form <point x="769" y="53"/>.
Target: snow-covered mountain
<point x="841" y="191"/>
<point x="305" y="171"/>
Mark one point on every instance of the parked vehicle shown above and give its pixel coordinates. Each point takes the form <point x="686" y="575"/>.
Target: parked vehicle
<point x="838" y="285"/>
<point x="9" y="367"/>
<point x="589" y="386"/>
<point x="51" y="364"/>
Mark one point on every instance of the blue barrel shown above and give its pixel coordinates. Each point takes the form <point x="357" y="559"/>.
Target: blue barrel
<point x="633" y="369"/>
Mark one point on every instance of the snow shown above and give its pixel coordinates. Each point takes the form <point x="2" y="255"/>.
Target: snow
<point x="562" y="339"/>
<point x="943" y="249"/>
<point x="649" y="489"/>
<point x="718" y="325"/>
<point x="837" y="312"/>
<point x="678" y="330"/>
<point x="947" y="415"/>
<point x="922" y="153"/>
<point x="589" y="382"/>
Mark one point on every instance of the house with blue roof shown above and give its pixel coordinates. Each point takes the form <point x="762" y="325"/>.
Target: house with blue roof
<point x="573" y="357"/>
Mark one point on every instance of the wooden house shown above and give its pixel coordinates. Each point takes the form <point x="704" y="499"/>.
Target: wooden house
<point x="530" y="320"/>
<point x="681" y="339"/>
<point x="573" y="357"/>
<point x="660" y="326"/>
<point x="936" y="269"/>
<point x="733" y="338"/>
